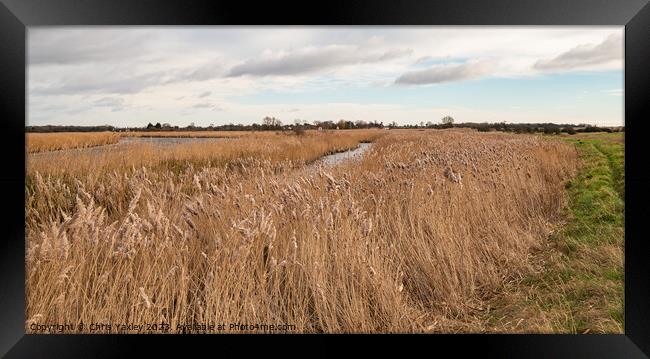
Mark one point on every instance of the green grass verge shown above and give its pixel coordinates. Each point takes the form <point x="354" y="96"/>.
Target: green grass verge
<point x="595" y="238"/>
<point x="581" y="286"/>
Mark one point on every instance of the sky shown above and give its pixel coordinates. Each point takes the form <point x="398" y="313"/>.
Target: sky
<point x="130" y="76"/>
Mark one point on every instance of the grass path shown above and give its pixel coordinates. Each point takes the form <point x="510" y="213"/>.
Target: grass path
<point x="579" y="283"/>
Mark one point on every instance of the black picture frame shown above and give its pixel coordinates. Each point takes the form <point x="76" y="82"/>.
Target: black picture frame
<point x="17" y="15"/>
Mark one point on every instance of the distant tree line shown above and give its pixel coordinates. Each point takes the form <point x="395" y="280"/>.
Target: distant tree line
<point x="50" y="128"/>
<point x="299" y="126"/>
<point x="267" y="124"/>
<point x="547" y="128"/>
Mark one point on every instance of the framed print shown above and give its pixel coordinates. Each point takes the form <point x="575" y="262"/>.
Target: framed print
<point x="459" y="175"/>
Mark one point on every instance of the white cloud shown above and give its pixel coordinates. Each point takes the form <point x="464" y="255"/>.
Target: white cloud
<point x="447" y="73"/>
<point x="585" y="55"/>
<point x="114" y="103"/>
<point x="207" y="105"/>
<point x="202" y="105"/>
<point x="312" y="59"/>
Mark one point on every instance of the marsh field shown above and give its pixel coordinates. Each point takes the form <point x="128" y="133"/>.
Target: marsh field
<point x="421" y="231"/>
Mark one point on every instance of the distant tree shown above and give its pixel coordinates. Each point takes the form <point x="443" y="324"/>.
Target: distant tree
<point x="327" y="125"/>
<point x="150" y="126"/>
<point x="341" y="124"/>
<point x="549" y="129"/>
<point x="271" y="122"/>
<point x="158" y="125"/>
<point x="590" y="128"/>
<point x="448" y="121"/>
<point x="569" y="130"/>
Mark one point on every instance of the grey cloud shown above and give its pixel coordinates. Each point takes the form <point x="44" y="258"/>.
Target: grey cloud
<point x="423" y="59"/>
<point x="110" y="61"/>
<point x="75" y="46"/>
<point x="213" y="107"/>
<point x="121" y="86"/>
<point x="446" y="73"/>
<point x="116" y="82"/>
<point x="584" y="55"/>
<point x="204" y="94"/>
<point x="395" y="53"/>
<point x="81" y="109"/>
<point x="207" y="71"/>
<point x="114" y="103"/>
<point x="312" y="59"/>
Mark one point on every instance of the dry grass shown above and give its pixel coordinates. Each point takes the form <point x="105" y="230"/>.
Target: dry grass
<point x="45" y="142"/>
<point x="42" y="142"/>
<point x="413" y="238"/>
<point x="282" y="150"/>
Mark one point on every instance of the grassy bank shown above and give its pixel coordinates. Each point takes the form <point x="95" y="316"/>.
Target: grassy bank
<point x="579" y="284"/>
<point x="44" y="142"/>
